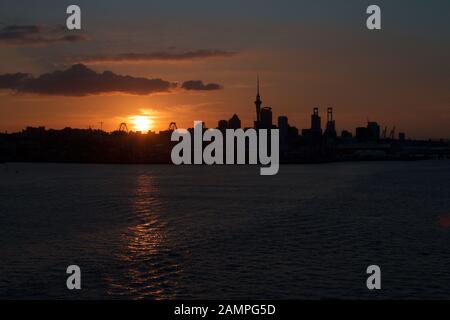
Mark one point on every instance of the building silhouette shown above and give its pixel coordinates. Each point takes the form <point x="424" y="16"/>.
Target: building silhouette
<point x="373" y="131"/>
<point x="346" y="135"/>
<point x="283" y="126"/>
<point x="234" y="122"/>
<point x="266" y="118"/>
<point x="361" y="134"/>
<point x="313" y="135"/>
<point x="258" y="104"/>
<point x="222" y="125"/>
<point x="370" y="133"/>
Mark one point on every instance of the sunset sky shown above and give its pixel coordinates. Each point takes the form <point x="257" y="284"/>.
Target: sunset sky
<point x="198" y="60"/>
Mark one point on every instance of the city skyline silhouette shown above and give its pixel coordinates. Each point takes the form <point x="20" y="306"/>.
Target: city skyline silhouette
<point x="315" y="144"/>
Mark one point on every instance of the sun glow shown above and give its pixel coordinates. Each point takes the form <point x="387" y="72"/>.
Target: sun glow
<point x="142" y="123"/>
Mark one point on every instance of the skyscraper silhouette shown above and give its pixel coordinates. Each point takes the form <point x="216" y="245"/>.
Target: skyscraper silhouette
<point x="283" y="126"/>
<point x="265" y="118"/>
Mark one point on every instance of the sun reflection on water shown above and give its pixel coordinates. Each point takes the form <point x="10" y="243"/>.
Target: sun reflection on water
<point x="149" y="268"/>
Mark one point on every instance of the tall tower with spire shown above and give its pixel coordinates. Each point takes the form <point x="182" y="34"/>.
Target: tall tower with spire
<point x="258" y="102"/>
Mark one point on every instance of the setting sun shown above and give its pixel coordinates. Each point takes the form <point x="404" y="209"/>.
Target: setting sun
<point x="141" y="123"/>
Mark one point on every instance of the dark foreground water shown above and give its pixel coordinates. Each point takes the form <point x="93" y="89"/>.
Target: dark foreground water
<point x="225" y="232"/>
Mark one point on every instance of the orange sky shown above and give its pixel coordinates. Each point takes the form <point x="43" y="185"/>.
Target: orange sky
<point x="395" y="77"/>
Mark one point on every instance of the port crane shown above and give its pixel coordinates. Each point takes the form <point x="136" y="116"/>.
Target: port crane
<point x="384" y="132"/>
<point x="392" y="135"/>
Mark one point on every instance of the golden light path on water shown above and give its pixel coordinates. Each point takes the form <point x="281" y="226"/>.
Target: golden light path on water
<point x="147" y="270"/>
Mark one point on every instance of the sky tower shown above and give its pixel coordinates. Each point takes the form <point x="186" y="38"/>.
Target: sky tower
<point x="258" y="101"/>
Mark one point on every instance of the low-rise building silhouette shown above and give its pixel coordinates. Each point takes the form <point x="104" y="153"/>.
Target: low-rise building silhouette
<point x="234" y="122"/>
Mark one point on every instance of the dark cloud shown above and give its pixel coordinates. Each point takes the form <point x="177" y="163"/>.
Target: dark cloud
<point x="156" y="56"/>
<point x="79" y="80"/>
<point x="34" y="35"/>
<point x="200" y="86"/>
<point x="15" y="80"/>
